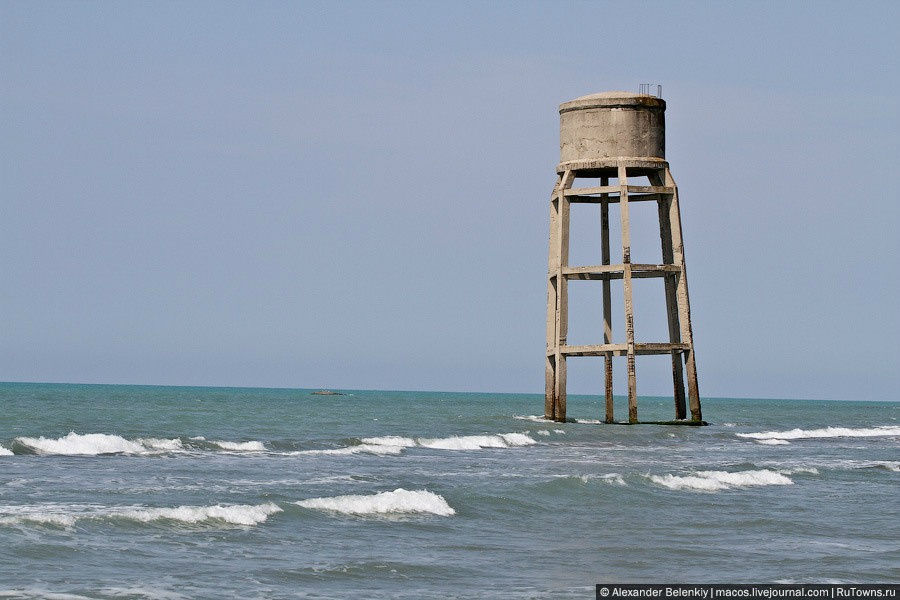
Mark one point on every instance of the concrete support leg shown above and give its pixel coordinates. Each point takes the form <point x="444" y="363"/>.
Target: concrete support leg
<point x="665" y="235"/>
<point x="552" y="270"/>
<point x="626" y="280"/>
<point x="558" y="301"/>
<point x="684" y="307"/>
<point x="607" y="304"/>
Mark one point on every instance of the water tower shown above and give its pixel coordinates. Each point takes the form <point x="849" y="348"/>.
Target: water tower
<point x="607" y="139"/>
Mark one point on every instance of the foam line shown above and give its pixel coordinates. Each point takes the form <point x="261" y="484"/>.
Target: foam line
<point x="90" y="444"/>
<point x="456" y="442"/>
<point x="68" y="515"/>
<point x="399" y="501"/>
<point x="714" y="481"/>
<point x="378" y="449"/>
<point x="826" y="432"/>
<point x="251" y="446"/>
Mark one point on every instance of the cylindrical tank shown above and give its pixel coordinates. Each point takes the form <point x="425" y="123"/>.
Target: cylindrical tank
<point x="612" y="124"/>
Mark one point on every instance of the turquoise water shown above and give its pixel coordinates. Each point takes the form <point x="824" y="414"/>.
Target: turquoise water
<point x="270" y="493"/>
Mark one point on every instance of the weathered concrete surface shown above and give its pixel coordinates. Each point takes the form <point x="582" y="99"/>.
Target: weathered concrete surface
<point x="621" y="135"/>
<point x="611" y="125"/>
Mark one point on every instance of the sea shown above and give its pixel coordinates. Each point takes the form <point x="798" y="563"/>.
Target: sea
<point x="113" y="491"/>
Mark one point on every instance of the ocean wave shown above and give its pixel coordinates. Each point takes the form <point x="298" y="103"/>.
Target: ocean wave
<point x="96" y="444"/>
<point x="393" y="445"/>
<point x="534" y="418"/>
<point x="826" y="432"/>
<point x="714" y="481"/>
<point x="772" y="442"/>
<point x="378" y="449"/>
<point x="236" y="514"/>
<point x="163" y="445"/>
<point x="68" y="515"/>
<point x="398" y="502"/>
<point x="610" y="478"/>
<point x="613" y="479"/>
<point x="251" y="446"/>
<point x="478" y="442"/>
<point x="889" y="465"/>
<point x="5" y="451"/>
<point x="89" y="444"/>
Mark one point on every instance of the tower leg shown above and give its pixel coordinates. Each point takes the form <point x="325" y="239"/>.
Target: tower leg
<point x="665" y="235"/>
<point x="607" y="304"/>
<point x="555" y="395"/>
<point x="626" y="280"/>
<point x="684" y="307"/>
<point x="552" y="270"/>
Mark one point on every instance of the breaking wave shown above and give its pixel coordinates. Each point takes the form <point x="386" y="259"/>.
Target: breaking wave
<point x="92" y="444"/>
<point x="393" y="444"/>
<point x="826" y="432"/>
<point x="714" y="481"/>
<point x="772" y="442"/>
<point x="67" y="516"/>
<point x="609" y="478"/>
<point x="96" y="444"/>
<point x="456" y="442"/>
<point x="238" y="514"/>
<point x="534" y="418"/>
<point x="379" y="449"/>
<point x="398" y="502"/>
<point x="251" y="446"/>
<point x="5" y="451"/>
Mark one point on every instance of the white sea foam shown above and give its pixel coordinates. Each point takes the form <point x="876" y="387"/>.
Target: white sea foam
<point x="534" y="418"/>
<point x="398" y="502"/>
<point x="714" y="481"/>
<point x="251" y="446"/>
<point x="589" y="421"/>
<point x="67" y="515"/>
<point x="826" y="432"/>
<point x="613" y="479"/>
<point x="890" y="465"/>
<point x="811" y="470"/>
<point x="35" y="593"/>
<point x="456" y="442"/>
<point x="5" y="451"/>
<point x="89" y="444"/>
<point x="238" y="514"/>
<point x="478" y="442"/>
<point x="173" y="445"/>
<point x="390" y="440"/>
<point x="378" y="449"/>
<point x="772" y="442"/>
<point x="559" y="431"/>
<point x="543" y="432"/>
<point x="93" y="444"/>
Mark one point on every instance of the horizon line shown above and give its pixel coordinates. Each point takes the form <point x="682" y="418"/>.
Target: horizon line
<point x="249" y="387"/>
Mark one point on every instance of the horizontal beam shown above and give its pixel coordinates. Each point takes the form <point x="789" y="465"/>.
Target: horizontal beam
<point x="615" y="199"/>
<point x="620" y="349"/>
<point x="645" y="163"/>
<point x="602" y="272"/>
<point x="615" y="189"/>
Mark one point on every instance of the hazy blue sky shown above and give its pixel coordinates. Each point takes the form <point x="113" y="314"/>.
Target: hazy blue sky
<point x="355" y="195"/>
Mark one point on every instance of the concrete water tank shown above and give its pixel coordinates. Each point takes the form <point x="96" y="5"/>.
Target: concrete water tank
<point x="612" y="125"/>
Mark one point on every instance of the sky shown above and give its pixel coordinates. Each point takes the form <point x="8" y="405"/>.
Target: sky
<point x="355" y="195"/>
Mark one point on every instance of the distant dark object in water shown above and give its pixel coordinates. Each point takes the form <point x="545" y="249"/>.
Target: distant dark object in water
<point x="326" y="393"/>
